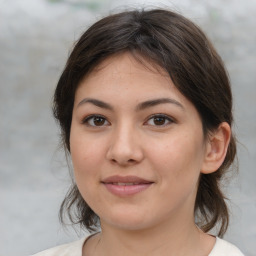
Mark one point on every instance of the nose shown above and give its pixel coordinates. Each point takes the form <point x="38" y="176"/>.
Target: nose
<point x="125" y="147"/>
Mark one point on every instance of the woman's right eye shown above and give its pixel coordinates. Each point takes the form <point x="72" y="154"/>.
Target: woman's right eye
<point x="95" y="121"/>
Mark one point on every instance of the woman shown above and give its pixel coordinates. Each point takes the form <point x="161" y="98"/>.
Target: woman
<point x="145" y="109"/>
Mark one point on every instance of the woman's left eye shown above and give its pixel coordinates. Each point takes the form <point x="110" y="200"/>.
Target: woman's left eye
<point x="159" y="120"/>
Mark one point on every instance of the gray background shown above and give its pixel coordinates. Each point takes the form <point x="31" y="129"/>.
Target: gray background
<point x="35" y="38"/>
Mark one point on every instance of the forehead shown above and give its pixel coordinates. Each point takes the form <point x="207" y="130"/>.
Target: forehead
<point x="136" y="61"/>
<point x="126" y="70"/>
<point x="125" y="76"/>
<point x="125" y="82"/>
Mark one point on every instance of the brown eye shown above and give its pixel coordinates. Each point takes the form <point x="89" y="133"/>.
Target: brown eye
<point x="159" y="120"/>
<point x="96" y="121"/>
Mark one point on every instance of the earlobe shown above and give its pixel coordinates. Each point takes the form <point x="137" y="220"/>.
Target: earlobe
<point x="216" y="148"/>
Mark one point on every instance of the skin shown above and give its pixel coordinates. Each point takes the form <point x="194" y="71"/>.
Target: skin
<point x="170" y="152"/>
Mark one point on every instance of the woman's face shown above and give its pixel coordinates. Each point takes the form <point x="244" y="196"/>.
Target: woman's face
<point x="137" y="145"/>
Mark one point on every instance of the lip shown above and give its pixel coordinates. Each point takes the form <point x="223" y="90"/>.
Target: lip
<point x="126" y="185"/>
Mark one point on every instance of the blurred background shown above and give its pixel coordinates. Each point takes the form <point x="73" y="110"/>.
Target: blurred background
<point x="36" y="37"/>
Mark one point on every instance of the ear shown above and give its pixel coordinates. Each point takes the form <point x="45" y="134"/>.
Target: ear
<point x="216" y="148"/>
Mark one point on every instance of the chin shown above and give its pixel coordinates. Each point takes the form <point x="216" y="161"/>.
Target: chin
<point x="129" y="225"/>
<point x="128" y="221"/>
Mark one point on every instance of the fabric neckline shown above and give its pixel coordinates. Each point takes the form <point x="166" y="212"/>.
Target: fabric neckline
<point x="90" y="236"/>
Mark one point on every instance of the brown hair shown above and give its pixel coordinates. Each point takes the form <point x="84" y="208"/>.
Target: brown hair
<point x="182" y="49"/>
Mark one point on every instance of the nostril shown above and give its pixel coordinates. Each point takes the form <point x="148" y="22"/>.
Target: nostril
<point x="123" y="161"/>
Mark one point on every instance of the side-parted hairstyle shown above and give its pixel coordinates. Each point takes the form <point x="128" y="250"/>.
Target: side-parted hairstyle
<point x="178" y="46"/>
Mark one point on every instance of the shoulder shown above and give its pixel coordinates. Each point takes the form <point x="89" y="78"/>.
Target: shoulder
<point x="224" y="248"/>
<point x="70" y="249"/>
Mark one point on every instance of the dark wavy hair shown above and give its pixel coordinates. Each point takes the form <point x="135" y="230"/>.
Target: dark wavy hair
<point x="181" y="48"/>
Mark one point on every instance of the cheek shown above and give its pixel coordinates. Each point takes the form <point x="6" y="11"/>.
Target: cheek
<point x="177" y="159"/>
<point x="178" y="149"/>
<point x="86" y="156"/>
<point x="86" y="160"/>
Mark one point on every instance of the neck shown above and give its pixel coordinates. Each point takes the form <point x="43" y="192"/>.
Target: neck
<point x="159" y="240"/>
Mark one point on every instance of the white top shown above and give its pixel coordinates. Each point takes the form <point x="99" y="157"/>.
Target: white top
<point x="221" y="248"/>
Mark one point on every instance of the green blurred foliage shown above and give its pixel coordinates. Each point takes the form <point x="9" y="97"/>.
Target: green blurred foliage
<point x="90" y="5"/>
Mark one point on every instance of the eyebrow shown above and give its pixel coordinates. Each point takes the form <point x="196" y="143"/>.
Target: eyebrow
<point x="139" y="107"/>
<point x="95" y="102"/>
<point x="154" y="102"/>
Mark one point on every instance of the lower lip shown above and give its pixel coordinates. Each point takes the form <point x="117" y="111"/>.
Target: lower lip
<point x="126" y="190"/>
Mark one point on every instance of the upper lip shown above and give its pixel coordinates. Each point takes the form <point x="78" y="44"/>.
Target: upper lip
<point x="125" y="179"/>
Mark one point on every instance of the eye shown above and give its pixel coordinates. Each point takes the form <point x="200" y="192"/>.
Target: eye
<point x="159" y="120"/>
<point x="95" y="120"/>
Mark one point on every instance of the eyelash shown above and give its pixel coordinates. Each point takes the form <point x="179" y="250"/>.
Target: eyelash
<point x="90" y="117"/>
<point x="163" y="116"/>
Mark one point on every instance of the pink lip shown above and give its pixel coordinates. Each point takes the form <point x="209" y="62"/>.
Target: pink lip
<point x="113" y="185"/>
